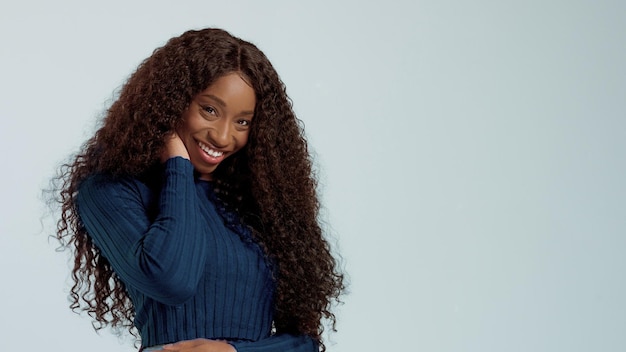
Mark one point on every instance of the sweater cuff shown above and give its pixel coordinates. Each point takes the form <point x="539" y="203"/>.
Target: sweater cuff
<point x="178" y="163"/>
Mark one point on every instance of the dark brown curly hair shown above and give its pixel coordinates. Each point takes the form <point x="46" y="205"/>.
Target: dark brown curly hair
<point x="269" y="182"/>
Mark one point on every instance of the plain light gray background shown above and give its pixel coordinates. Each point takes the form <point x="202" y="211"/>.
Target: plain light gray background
<point x="471" y="158"/>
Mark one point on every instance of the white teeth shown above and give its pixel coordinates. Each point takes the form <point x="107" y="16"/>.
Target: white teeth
<point x="211" y="152"/>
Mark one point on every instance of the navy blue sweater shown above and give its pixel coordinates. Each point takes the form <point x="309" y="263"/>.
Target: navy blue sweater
<point x="189" y="273"/>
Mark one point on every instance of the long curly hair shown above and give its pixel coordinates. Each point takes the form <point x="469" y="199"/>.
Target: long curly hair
<point x="270" y="182"/>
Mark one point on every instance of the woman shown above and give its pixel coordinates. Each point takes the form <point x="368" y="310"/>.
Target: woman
<point x="192" y="212"/>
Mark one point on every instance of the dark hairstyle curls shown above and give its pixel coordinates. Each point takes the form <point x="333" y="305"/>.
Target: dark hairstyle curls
<point x="269" y="182"/>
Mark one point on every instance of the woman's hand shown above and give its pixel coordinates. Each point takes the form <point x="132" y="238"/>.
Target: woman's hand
<point x="174" y="147"/>
<point x="200" y="345"/>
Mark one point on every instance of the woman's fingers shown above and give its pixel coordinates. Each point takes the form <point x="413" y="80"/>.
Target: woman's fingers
<point x="200" y="345"/>
<point x="174" y="147"/>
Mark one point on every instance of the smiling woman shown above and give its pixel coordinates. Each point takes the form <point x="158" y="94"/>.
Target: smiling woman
<point x="192" y="212"/>
<point x="217" y="123"/>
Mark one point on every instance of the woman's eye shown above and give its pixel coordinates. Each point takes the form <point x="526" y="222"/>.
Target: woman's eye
<point x="209" y="110"/>
<point x="244" y="123"/>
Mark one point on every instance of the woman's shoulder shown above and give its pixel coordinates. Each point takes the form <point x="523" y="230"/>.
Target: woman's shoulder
<point x="103" y="185"/>
<point x="105" y="181"/>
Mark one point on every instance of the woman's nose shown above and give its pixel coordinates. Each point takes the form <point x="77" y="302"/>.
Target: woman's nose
<point x="220" y="133"/>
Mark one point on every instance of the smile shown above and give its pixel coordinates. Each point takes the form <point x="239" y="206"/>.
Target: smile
<point x="211" y="152"/>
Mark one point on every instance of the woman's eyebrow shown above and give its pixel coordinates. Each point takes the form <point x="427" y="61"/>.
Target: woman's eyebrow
<point x="222" y="104"/>
<point x="219" y="101"/>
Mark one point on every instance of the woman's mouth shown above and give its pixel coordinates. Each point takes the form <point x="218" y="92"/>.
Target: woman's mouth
<point x="209" y="151"/>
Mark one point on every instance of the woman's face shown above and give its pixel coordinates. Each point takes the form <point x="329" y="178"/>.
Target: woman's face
<point x="217" y="122"/>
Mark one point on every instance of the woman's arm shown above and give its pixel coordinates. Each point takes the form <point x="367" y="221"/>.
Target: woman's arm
<point x="164" y="256"/>
<point x="275" y="343"/>
<point x="279" y="342"/>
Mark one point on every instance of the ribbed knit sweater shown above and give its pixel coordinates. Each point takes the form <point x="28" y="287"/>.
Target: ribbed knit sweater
<point x="190" y="268"/>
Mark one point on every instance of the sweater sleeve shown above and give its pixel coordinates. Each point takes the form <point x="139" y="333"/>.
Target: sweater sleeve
<point x="162" y="257"/>
<point x="279" y="343"/>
